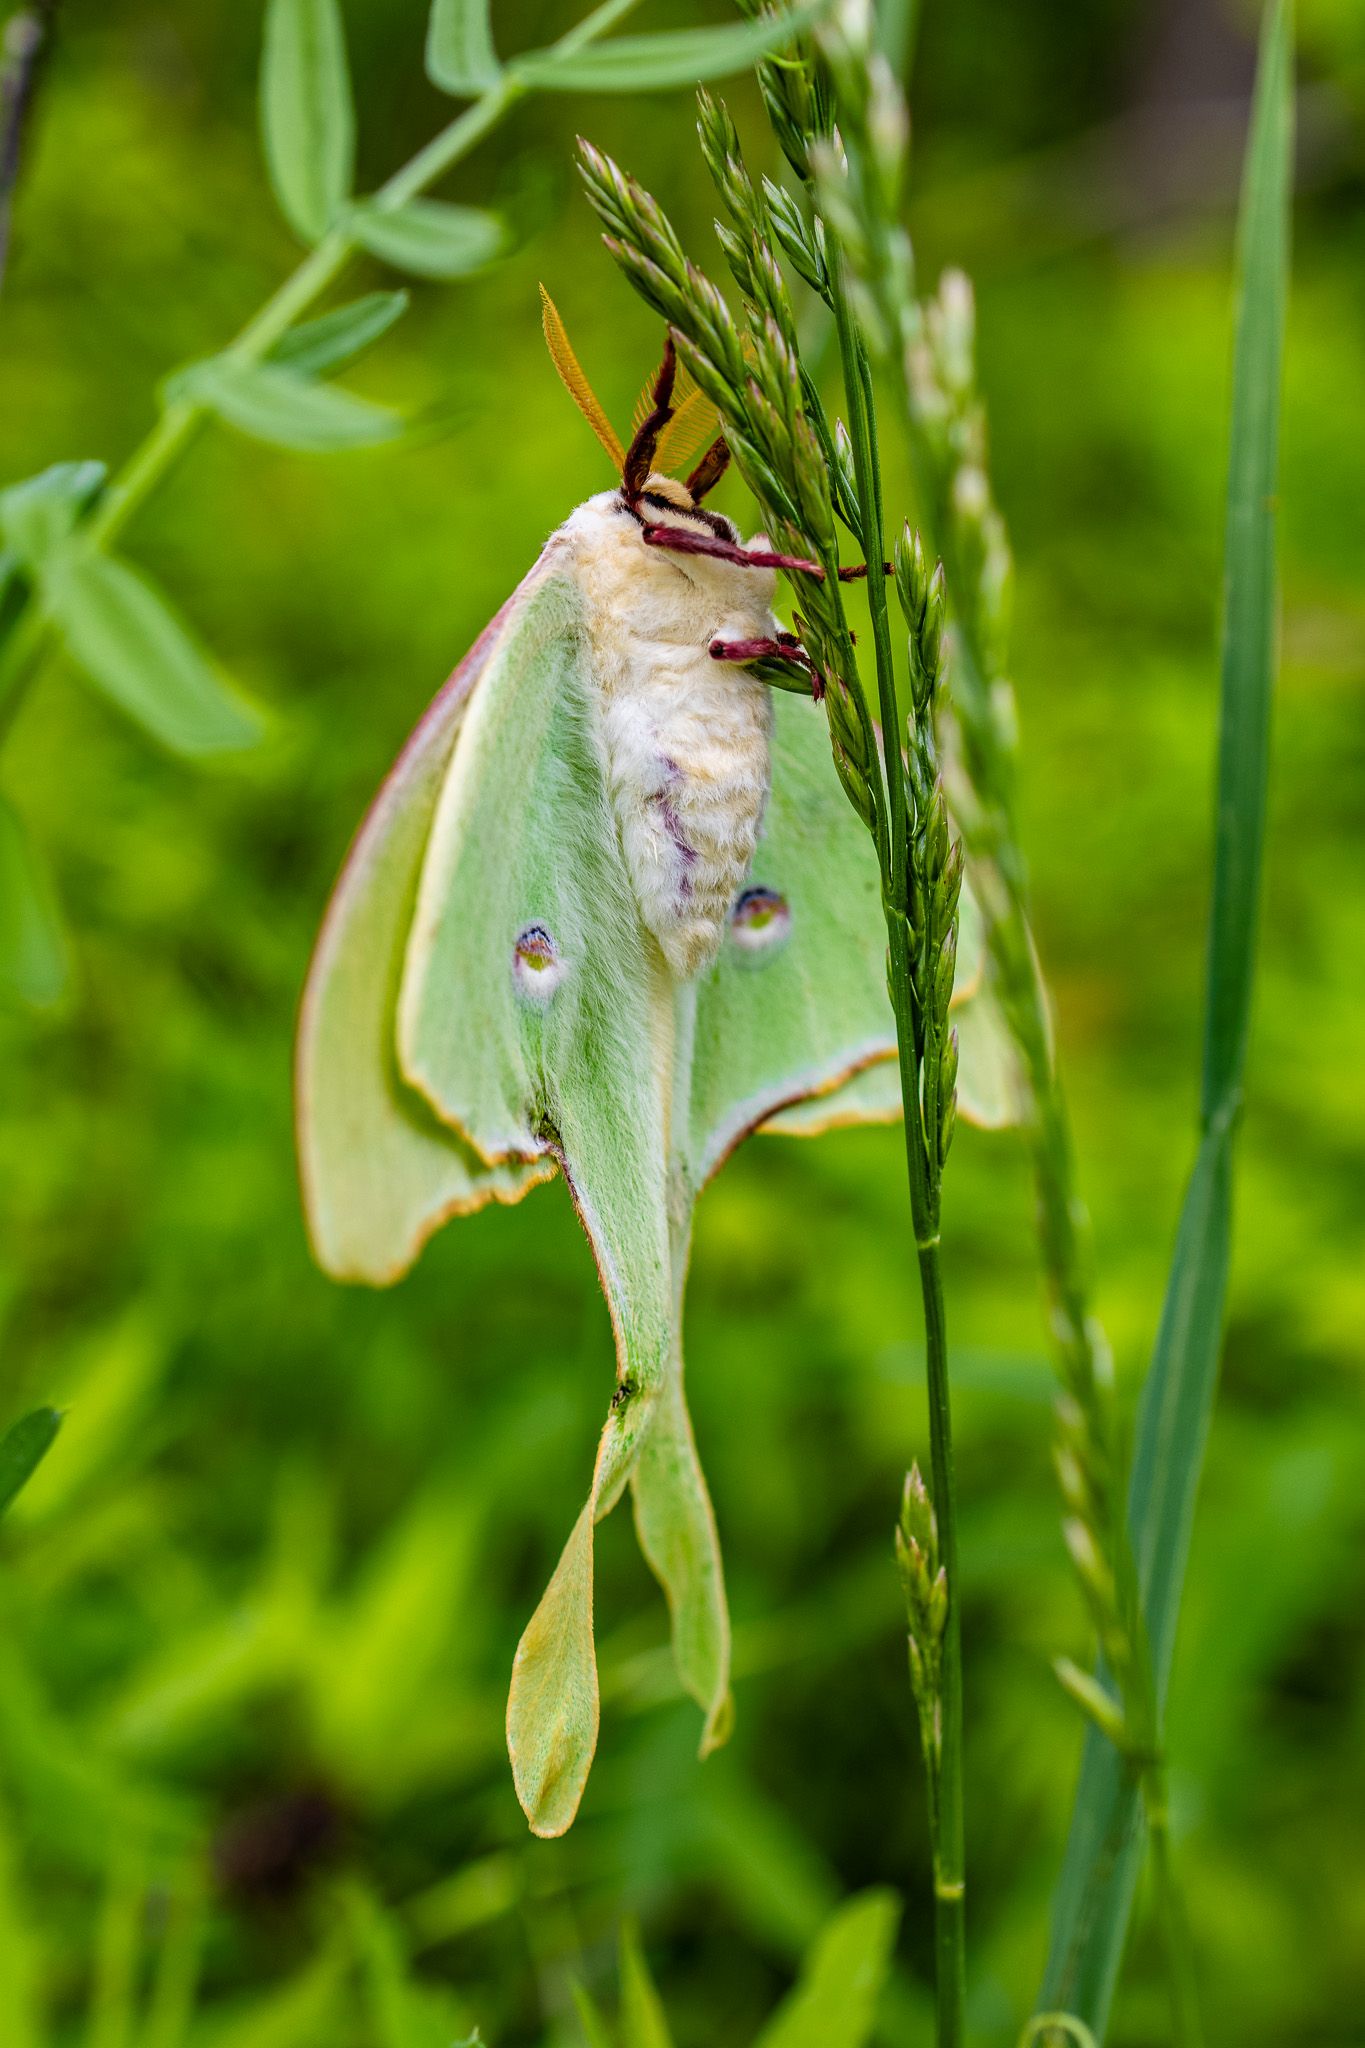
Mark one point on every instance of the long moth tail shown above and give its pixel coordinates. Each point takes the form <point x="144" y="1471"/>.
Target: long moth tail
<point x="676" y="1525"/>
<point x="553" y="1709"/>
<point x="553" y="1703"/>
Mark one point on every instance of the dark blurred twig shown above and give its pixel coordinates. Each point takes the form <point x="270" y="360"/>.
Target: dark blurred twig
<point x="28" y="38"/>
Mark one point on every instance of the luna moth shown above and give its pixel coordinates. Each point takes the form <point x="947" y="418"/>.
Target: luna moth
<point x="609" y="914"/>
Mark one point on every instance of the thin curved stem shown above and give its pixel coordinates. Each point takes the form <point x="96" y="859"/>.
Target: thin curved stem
<point x="182" y="417"/>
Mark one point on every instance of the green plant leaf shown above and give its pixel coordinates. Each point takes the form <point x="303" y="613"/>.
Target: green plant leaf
<point x="33" y="954"/>
<point x="288" y="411"/>
<point x="835" y="2003"/>
<point x="643" y="2024"/>
<point x="1104" y="1852"/>
<point x="596" y="2032"/>
<point x="335" y="337"/>
<point x="429" y="237"/>
<point x="37" y="515"/>
<point x="652" y="63"/>
<point x="379" y="1170"/>
<point x="460" y="54"/>
<point x="307" y="117"/>
<point x="22" y="1449"/>
<point x="136" y="650"/>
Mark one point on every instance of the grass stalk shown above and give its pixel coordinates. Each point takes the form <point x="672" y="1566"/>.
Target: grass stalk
<point x="928" y="352"/>
<point x="946" y="1799"/>
<point x="947" y="1810"/>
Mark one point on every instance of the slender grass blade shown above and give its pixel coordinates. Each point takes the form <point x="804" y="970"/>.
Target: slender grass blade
<point x="643" y="2023"/>
<point x="842" y="1977"/>
<point x="22" y="1450"/>
<point x="1095" y="1894"/>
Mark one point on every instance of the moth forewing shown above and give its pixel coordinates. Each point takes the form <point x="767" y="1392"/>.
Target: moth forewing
<point x="527" y="1010"/>
<point x="461" y="1021"/>
<point x="379" y="1172"/>
<point x="797" y="999"/>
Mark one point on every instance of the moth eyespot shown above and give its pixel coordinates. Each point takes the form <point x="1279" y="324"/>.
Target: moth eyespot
<point x="537" y="969"/>
<point x="760" y="921"/>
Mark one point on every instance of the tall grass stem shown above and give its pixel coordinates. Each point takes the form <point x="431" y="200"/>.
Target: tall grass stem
<point x="946" y="1806"/>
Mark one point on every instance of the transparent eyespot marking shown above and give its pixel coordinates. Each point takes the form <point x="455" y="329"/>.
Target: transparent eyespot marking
<point x="760" y="921"/>
<point x="537" y="969"/>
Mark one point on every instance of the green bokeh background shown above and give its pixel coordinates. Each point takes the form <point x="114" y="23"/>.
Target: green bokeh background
<point x="260" y="1605"/>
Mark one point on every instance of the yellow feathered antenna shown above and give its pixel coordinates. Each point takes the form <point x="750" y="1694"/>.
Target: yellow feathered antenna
<point x="576" y="383"/>
<point x="694" y="425"/>
<point x="695" y="422"/>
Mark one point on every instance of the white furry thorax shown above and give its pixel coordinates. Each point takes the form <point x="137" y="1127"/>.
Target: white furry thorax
<point x="685" y="737"/>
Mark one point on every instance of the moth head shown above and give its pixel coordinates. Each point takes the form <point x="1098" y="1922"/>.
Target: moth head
<point x="663" y="501"/>
<point x="673" y="419"/>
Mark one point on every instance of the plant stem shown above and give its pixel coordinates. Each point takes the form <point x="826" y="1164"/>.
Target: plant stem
<point x="182" y="417"/>
<point x="950" y="1874"/>
<point x="946" y="1802"/>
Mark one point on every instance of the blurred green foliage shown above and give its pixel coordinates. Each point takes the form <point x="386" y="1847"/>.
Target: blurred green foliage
<point x="259" y="1602"/>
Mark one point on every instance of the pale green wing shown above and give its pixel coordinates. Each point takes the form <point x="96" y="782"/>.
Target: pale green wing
<point x="797" y="1001"/>
<point x="991" y="1089"/>
<point x="536" y="1018"/>
<point x="797" y="998"/>
<point x="380" y="1173"/>
<point x="534" y="1015"/>
<point x="871" y="1096"/>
